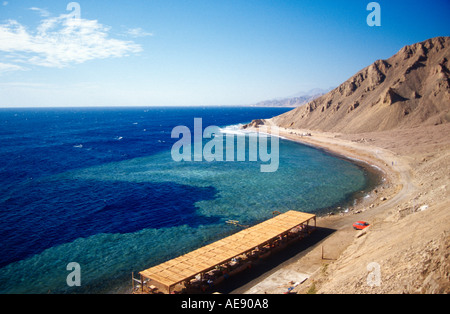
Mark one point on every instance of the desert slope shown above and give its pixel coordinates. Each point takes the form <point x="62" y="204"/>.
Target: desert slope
<point x="412" y="88"/>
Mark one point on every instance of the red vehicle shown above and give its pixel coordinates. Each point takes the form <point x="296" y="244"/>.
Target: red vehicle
<point x="360" y="225"/>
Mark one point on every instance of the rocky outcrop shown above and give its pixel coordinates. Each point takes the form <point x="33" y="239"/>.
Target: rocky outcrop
<point x="254" y="124"/>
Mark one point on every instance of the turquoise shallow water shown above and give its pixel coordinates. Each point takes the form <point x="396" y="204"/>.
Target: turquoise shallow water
<point x="128" y="214"/>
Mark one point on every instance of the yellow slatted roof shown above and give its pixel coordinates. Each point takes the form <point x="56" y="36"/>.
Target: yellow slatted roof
<point x="203" y="259"/>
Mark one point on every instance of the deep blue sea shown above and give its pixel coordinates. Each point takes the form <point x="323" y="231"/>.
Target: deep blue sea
<point x="99" y="187"/>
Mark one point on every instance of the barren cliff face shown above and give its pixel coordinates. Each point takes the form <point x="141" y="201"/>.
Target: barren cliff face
<point x="409" y="89"/>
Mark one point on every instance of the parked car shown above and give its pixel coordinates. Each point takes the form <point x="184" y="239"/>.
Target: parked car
<point x="360" y="225"/>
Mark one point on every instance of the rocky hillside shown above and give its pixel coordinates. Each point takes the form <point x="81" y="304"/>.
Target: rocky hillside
<point x="294" y="101"/>
<point x="409" y="89"/>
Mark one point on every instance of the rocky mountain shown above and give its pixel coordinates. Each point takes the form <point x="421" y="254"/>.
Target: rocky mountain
<point x="297" y="100"/>
<point x="409" y="89"/>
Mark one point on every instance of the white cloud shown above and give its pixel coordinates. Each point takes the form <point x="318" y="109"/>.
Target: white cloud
<point x="5" y="3"/>
<point x="138" y="32"/>
<point x="60" y="42"/>
<point x="42" y="12"/>
<point x="7" y="67"/>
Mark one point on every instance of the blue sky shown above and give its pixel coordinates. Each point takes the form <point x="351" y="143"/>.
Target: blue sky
<point x="196" y="52"/>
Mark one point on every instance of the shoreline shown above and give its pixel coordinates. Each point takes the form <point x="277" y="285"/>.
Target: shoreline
<point x="387" y="177"/>
<point x="378" y="177"/>
<point x="391" y="188"/>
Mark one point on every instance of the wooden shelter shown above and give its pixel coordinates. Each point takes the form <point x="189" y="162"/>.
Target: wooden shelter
<point x="181" y="270"/>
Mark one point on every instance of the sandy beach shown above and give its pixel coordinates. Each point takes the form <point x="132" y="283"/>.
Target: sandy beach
<point x="408" y="237"/>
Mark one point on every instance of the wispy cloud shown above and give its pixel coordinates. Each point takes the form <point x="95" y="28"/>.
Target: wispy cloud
<point x="42" y="12"/>
<point x="138" y="32"/>
<point x="60" y="42"/>
<point x="7" y="67"/>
